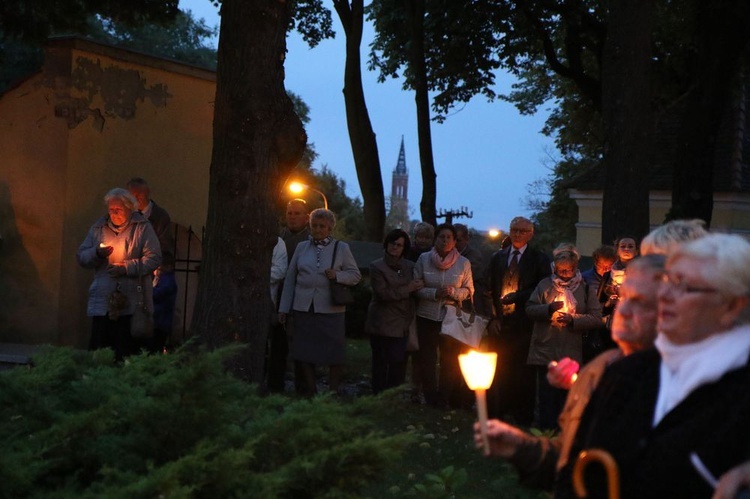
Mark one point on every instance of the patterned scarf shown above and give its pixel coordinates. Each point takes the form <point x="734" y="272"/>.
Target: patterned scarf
<point x="566" y="289"/>
<point x="444" y="263"/>
<point x="321" y="242"/>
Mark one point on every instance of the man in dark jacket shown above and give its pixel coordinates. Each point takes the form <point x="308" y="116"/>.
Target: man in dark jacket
<point x="513" y="274"/>
<point x="296" y="231"/>
<point x="158" y="216"/>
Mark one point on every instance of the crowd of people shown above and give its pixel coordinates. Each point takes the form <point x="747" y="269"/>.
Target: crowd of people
<point x="644" y="355"/>
<point x="670" y="405"/>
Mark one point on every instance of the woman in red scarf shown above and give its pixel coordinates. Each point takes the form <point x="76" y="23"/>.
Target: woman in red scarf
<point x="447" y="281"/>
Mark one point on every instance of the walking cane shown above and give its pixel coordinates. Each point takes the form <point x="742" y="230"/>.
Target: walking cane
<point x="610" y="466"/>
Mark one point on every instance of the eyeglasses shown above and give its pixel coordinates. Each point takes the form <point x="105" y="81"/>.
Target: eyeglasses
<point x="520" y="231"/>
<point x="680" y="287"/>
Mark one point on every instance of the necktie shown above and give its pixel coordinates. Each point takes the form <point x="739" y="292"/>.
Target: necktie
<point x="513" y="265"/>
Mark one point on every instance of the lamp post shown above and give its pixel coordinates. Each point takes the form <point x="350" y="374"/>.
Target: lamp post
<point x="479" y="370"/>
<point x="297" y="187"/>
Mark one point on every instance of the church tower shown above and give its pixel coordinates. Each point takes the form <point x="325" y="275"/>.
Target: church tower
<point x="398" y="214"/>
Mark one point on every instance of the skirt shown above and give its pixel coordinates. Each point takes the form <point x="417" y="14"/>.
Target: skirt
<point x="318" y="338"/>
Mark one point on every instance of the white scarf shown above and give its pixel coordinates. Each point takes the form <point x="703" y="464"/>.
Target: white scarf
<point x="687" y="367"/>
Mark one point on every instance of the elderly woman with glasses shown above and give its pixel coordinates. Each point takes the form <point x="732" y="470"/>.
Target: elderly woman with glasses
<point x="676" y="418"/>
<point x="562" y="307"/>
<point x="123" y="250"/>
<point x="318" y="327"/>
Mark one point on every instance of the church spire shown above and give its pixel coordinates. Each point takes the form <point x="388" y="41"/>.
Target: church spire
<point x="401" y="164"/>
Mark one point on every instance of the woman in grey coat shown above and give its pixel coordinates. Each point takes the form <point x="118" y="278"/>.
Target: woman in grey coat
<point x="318" y="327"/>
<point x="123" y="250"/>
<point x="562" y="307"/>
<point x="391" y="311"/>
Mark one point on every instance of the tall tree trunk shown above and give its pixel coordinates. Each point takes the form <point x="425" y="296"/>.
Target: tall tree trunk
<point x="415" y="11"/>
<point x="626" y="107"/>
<point x="720" y="41"/>
<point x="361" y="134"/>
<point x="257" y="141"/>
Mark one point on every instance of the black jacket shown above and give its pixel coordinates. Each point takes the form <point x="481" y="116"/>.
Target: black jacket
<point x="713" y="421"/>
<point x="532" y="268"/>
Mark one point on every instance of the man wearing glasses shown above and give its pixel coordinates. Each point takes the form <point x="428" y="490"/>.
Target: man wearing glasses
<point x="513" y="274"/>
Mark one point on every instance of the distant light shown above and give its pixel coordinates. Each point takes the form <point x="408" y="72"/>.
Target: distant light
<point x="493" y="233"/>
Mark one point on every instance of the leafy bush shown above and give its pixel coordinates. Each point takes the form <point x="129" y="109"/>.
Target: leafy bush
<point x="78" y="425"/>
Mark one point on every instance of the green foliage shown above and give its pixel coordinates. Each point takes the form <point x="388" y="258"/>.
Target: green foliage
<point x="312" y="21"/>
<point x="185" y="39"/>
<point x="33" y="21"/>
<point x="443" y="484"/>
<point x="459" y="48"/>
<point x="79" y="425"/>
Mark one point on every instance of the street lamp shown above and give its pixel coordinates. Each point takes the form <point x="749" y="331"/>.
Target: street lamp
<point x="297" y="187"/>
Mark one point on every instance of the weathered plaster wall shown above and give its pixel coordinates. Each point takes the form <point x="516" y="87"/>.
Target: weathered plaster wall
<point x="33" y="154"/>
<point x="94" y="118"/>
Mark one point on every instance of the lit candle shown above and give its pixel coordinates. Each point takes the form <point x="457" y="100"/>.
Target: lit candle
<point x="565" y="308"/>
<point x="479" y="371"/>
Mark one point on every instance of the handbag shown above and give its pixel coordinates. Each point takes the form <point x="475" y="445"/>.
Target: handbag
<point x="142" y="322"/>
<point x="468" y="330"/>
<point x="341" y="294"/>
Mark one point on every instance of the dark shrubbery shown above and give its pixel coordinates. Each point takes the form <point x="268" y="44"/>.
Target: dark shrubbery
<point x="77" y="424"/>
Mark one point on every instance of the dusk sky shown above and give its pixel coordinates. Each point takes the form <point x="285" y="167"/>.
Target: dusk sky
<point x="486" y="153"/>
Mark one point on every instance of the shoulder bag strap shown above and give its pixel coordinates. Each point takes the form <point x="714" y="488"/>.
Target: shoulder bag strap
<point x="333" y="258"/>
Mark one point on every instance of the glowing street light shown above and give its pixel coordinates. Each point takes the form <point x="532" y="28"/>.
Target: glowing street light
<point x="479" y="371"/>
<point x="297" y="187"/>
<point x="493" y="233"/>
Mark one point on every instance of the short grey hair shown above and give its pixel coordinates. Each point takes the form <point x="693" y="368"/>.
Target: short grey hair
<point x="424" y="228"/>
<point x="523" y="220"/>
<point x="122" y="195"/>
<point x="653" y="262"/>
<point x="324" y="214"/>
<point x="566" y="252"/>
<point x="665" y="239"/>
<point x="730" y="253"/>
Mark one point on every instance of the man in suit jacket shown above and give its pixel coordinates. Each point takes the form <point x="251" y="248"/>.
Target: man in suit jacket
<point x="513" y="274"/>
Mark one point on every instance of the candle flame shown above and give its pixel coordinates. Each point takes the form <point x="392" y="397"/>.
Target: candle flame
<point x="478" y="368"/>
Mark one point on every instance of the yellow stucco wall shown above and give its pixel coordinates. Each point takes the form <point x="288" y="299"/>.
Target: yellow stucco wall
<point x="94" y="118"/>
<point x="731" y="213"/>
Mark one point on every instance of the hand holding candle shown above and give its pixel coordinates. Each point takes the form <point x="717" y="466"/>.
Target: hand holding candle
<point x="103" y="251"/>
<point x="479" y="370"/>
<point x="563" y="374"/>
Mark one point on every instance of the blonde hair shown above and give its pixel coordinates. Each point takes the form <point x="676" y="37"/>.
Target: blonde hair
<point x="665" y="239"/>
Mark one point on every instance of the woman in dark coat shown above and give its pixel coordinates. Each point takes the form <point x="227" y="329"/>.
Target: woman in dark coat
<point x="391" y="311"/>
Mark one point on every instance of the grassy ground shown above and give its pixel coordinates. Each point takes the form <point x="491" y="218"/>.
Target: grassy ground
<point x="443" y="462"/>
